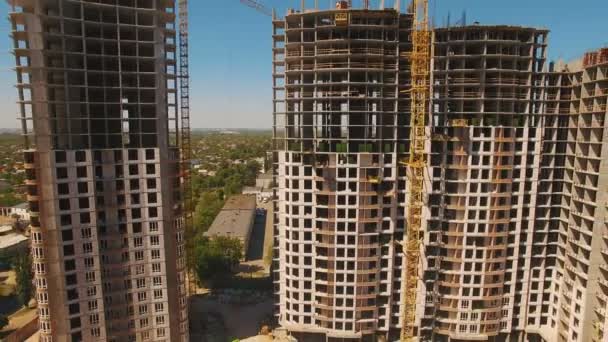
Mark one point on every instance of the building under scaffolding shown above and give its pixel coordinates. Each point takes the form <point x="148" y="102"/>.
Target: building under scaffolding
<point x="97" y="88"/>
<point x="514" y="200"/>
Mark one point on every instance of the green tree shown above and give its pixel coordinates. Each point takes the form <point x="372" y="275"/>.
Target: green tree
<point x="234" y="185"/>
<point x="209" y="205"/>
<point x="23" y="270"/>
<point x="15" y="178"/>
<point x="231" y="249"/>
<point x="9" y="199"/>
<point x="216" y="258"/>
<point x="252" y="169"/>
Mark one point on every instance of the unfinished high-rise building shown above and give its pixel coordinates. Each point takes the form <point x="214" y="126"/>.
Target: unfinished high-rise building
<point x="515" y="240"/>
<point x="576" y="176"/>
<point x="487" y="259"/>
<point x="340" y="130"/>
<point x="97" y="95"/>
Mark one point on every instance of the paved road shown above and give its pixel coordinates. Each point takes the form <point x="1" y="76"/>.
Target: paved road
<point x="260" y="243"/>
<point x="269" y="235"/>
<point x="256" y="242"/>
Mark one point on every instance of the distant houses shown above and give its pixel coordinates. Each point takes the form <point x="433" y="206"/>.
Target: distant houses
<point x="22" y="210"/>
<point x="205" y="172"/>
<point x="227" y="132"/>
<point x="261" y="194"/>
<point x="11" y="242"/>
<point x="262" y="162"/>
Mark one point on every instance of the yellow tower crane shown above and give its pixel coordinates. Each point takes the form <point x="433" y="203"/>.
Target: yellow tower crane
<point x="420" y="58"/>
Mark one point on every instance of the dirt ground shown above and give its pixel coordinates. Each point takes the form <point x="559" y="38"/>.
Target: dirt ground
<point x="269" y="235"/>
<point x="214" y="316"/>
<point x="8" y="281"/>
<point x="213" y="320"/>
<point x="6" y="220"/>
<point x="18" y="320"/>
<point x="22" y="317"/>
<point x="34" y="338"/>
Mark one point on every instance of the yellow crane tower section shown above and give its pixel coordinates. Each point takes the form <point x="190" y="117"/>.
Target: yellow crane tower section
<point x="420" y="58"/>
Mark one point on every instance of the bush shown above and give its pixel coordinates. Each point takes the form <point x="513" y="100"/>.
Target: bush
<point x="23" y="270"/>
<point x="215" y="259"/>
<point x="209" y="205"/>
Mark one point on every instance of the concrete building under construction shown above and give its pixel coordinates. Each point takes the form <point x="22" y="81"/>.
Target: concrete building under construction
<point x="97" y="92"/>
<point x="515" y="240"/>
<point x="340" y="130"/>
<point x="573" y="185"/>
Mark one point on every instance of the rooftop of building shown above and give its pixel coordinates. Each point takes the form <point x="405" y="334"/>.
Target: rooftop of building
<point x="477" y="26"/>
<point x="257" y="189"/>
<point x="293" y="11"/>
<point x="23" y="205"/>
<point x="590" y="58"/>
<point x="235" y="219"/>
<point x="240" y="202"/>
<point x="266" y="175"/>
<point x="11" y="239"/>
<point x="258" y="338"/>
<point x="359" y="11"/>
<point x="5" y="229"/>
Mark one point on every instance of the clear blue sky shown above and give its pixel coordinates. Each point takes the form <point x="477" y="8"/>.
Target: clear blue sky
<point x="231" y="57"/>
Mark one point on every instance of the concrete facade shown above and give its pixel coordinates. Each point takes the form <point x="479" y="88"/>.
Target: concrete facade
<point x="97" y="93"/>
<point x="576" y="99"/>
<point x="487" y="258"/>
<point x="515" y="242"/>
<point x="341" y="129"/>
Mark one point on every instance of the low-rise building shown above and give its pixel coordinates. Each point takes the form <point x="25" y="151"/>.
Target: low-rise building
<point x="262" y="162"/>
<point x="235" y="220"/>
<point x="22" y="210"/>
<point x="264" y="180"/>
<point x="12" y="243"/>
<point x="260" y="193"/>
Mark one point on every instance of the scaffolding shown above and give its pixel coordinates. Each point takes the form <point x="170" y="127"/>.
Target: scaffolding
<point x="185" y="139"/>
<point x="420" y="61"/>
<point x="595" y="57"/>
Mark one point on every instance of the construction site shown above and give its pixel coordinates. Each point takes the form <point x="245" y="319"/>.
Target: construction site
<point x="106" y="132"/>
<point x="430" y="183"/>
<point x="435" y="184"/>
